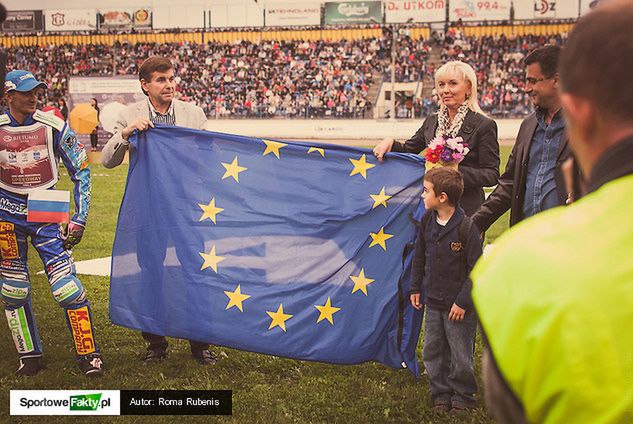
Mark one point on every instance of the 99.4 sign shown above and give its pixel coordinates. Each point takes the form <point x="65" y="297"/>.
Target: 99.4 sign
<point x="488" y="5"/>
<point x="480" y="10"/>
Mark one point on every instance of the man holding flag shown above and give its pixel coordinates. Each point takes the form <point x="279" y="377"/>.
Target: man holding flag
<point x="288" y="249"/>
<point x="157" y="79"/>
<point x="31" y="142"/>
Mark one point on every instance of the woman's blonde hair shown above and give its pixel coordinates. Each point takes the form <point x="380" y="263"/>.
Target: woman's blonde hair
<point x="467" y="74"/>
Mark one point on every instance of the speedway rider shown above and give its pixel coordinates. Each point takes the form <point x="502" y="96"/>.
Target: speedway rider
<point x="31" y="144"/>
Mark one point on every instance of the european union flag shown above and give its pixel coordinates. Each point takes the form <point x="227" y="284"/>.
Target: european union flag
<point x="286" y="248"/>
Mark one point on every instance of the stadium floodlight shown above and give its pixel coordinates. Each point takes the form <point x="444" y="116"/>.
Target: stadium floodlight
<point x="392" y="105"/>
<point x="394" y="40"/>
<point x="395" y="30"/>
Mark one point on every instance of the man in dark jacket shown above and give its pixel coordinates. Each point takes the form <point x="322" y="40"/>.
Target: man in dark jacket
<point x="533" y="180"/>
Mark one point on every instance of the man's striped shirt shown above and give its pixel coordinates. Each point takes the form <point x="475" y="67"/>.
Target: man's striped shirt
<point x="158" y="118"/>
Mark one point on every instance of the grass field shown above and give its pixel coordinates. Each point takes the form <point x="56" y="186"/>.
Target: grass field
<point x="266" y="389"/>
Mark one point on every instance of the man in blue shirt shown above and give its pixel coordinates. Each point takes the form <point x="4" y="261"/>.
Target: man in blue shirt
<point x="540" y="189"/>
<point x="533" y="180"/>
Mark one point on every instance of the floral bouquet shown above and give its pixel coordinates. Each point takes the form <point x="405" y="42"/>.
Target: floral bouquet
<point x="444" y="151"/>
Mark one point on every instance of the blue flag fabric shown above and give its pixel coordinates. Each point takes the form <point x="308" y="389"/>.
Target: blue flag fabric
<point x="285" y="248"/>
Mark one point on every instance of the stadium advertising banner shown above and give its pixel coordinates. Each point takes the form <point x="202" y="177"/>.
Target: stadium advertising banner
<point x="361" y="12"/>
<point x="143" y="18"/>
<point x="236" y="15"/>
<point x="480" y="10"/>
<point x="546" y="9"/>
<point x="112" y="94"/>
<point x="103" y="85"/>
<point x="167" y="17"/>
<point x="116" y="18"/>
<point x="71" y="20"/>
<point x="126" y="18"/>
<point x="400" y="11"/>
<point x="291" y="14"/>
<point x="23" y="20"/>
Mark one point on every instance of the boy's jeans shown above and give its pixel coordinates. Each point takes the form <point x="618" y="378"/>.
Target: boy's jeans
<point x="448" y="357"/>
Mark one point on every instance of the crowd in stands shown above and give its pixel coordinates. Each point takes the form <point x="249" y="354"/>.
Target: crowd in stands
<point x="294" y="79"/>
<point x="291" y="79"/>
<point x="55" y="64"/>
<point x="304" y="79"/>
<point x="411" y="59"/>
<point x="499" y="67"/>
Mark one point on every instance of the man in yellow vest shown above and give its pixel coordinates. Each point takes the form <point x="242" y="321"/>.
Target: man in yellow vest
<point x="555" y="295"/>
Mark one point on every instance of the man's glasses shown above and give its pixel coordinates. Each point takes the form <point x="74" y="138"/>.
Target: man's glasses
<point x="533" y="81"/>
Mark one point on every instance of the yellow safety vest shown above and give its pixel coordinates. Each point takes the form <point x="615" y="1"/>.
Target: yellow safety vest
<point x="555" y="298"/>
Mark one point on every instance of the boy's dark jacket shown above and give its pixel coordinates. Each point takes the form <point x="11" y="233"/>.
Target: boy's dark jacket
<point x="441" y="265"/>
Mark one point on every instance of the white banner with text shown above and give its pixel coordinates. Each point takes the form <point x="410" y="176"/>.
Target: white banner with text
<point x="545" y="9"/>
<point x="70" y="19"/>
<point x="480" y="10"/>
<point x="293" y="14"/>
<point x="401" y="11"/>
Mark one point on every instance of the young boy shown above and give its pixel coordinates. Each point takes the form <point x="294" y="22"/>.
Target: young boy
<point x="445" y="253"/>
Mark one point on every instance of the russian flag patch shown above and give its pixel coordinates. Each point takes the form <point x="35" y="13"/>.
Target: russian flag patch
<point x="48" y="206"/>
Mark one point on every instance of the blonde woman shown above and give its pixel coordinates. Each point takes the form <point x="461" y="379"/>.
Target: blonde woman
<point x="459" y="116"/>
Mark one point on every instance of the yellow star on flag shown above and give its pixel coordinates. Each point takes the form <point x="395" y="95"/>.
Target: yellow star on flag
<point x="233" y="170"/>
<point x="380" y="238"/>
<point x="211" y="260"/>
<point x="210" y="211"/>
<point x="317" y="149"/>
<point x="236" y="298"/>
<point x="273" y="147"/>
<point x="326" y="311"/>
<point x="380" y="198"/>
<point x="361" y="166"/>
<point x="361" y="282"/>
<point x="279" y="318"/>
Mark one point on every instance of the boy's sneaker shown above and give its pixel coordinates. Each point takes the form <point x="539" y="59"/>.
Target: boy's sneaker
<point x="441" y="405"/>
<point x="91" y="365"/>
<point x="30" y="366"/>
<point x="441" y="408"/>
<point x="460" y="408"/>
<point x="205" y="356"/>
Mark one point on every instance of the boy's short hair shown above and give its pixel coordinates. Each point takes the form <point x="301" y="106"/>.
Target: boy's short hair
<point x="446" y="180"/>
<point x="151" y="65"/>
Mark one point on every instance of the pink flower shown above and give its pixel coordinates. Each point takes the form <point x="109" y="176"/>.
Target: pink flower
<point x="455" y="143"/>
<point x="436" y="142"/>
